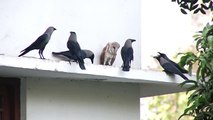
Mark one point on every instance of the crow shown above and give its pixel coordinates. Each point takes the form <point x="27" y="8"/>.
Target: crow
<point x="75" y="49"/>
<point x="127" y="54"/>
<point x="169" y="66"/>
<point x="40" y="43"/>
<point x="86" y="54"/>
<point x="175" y="64"/>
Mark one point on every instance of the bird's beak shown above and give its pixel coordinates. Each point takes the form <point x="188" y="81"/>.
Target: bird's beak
<point x="132" y="40"/>
<point x="71" y="32"/>
<point x="54" y="28"/>
<point x="92" y="60"/>
<point x="156" y="56"/>
<point x="160" y="53"/>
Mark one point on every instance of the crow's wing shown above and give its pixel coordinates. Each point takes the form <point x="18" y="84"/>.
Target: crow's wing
<point x="66" y="54"/>
<point x="39" y="43"/>
<point x="127" y="54"/>
<point x="181" y="69"/>
<point x="170" y="68"/>
<point x="73" y="46"/>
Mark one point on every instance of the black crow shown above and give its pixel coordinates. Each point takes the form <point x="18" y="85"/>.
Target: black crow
<point x="75" y="49"/>
<point x="127" y="54"/>
<point x="40" y="43"/>
<point x="175" y="64"/>
<point x="169" y="67"/>
<point x="86" y="54"/>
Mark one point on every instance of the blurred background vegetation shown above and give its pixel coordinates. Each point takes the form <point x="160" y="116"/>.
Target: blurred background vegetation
<point x="166" y="107"/>
<point x="171" y="106"/>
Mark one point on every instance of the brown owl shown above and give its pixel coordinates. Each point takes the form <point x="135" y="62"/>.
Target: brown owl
<point x="109" y="53"/>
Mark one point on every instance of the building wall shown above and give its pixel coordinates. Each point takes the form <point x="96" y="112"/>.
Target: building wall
<point x="96" y="22"/>
<point x="57" y="99"/>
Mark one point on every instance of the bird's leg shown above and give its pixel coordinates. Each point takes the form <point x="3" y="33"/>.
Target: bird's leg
<point x="41" y="54"/>
<point x="109" y="62"/>
<point x="70" y="62"/>
<point x="104" y="60"/>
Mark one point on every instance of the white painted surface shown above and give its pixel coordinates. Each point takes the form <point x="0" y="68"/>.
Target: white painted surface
<point x="57" y="99"/>
<point x="96" y="22"/>
<point x="151" y="82"/>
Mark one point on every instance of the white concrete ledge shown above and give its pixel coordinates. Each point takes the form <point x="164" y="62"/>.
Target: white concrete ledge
<point x="33" y="67"/>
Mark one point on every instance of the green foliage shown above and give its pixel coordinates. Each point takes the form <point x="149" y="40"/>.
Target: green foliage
<point x="194" y="6"/>
<point x="167" y="107"/>
<point x="200" y="101"/>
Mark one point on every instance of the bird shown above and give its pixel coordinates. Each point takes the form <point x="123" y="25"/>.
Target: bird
<point x="89" y="54"/>
<point x="75" y="49"/>
<point x="175" y="64"/>
<point x="40" y="43"/>
<point x="169" y="66"/>
<point x="109" y="53"/>
<point x="86" y="54"/>
<point x="127" y="54"/>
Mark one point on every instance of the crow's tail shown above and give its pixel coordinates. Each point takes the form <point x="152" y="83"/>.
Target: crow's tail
<point x="184" y="77"/>
<point x="55" y="53"/>
<point x="126" y="66"/>
<point x="81" y="65"/>
<point x="80" y="60"/>
<point x="25" y="51"/>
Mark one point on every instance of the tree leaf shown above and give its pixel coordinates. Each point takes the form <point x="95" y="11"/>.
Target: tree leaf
<point x="211" y="5"/>
<point x="206" y="1"/>
<point x="194" y="1"/>
<point x="204" y="6"/>
<point x="179" y="1"/>
<point x="210" y="114"/>
<point x="191" y="108"/>
<point x="184" y="115"/>
<point x="187" y="82"/>
<point x="197" y="10"/>
<point x="198" y="73"/>
<point x="194" y="96"/>
<point x="202" y="11"/>
<point x="191" y="88"/>
<point x="193" y="7"/>
<point x="190" y="69"/>
<point x="196" y="36"/>
<point x="185" y="6"/>
<point x="183" y="11"/>
<point x="189" y="60"/>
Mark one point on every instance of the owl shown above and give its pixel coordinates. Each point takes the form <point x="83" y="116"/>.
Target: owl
<point x="109" y="53"/>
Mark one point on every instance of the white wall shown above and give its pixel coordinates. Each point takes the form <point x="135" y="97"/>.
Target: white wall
<point x="163" y="29"/>
<point x="55" y="99"/>
<point x="96" y="22"/>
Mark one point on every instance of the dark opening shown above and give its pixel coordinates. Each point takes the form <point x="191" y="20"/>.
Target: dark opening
<point x="9" y="99"/>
